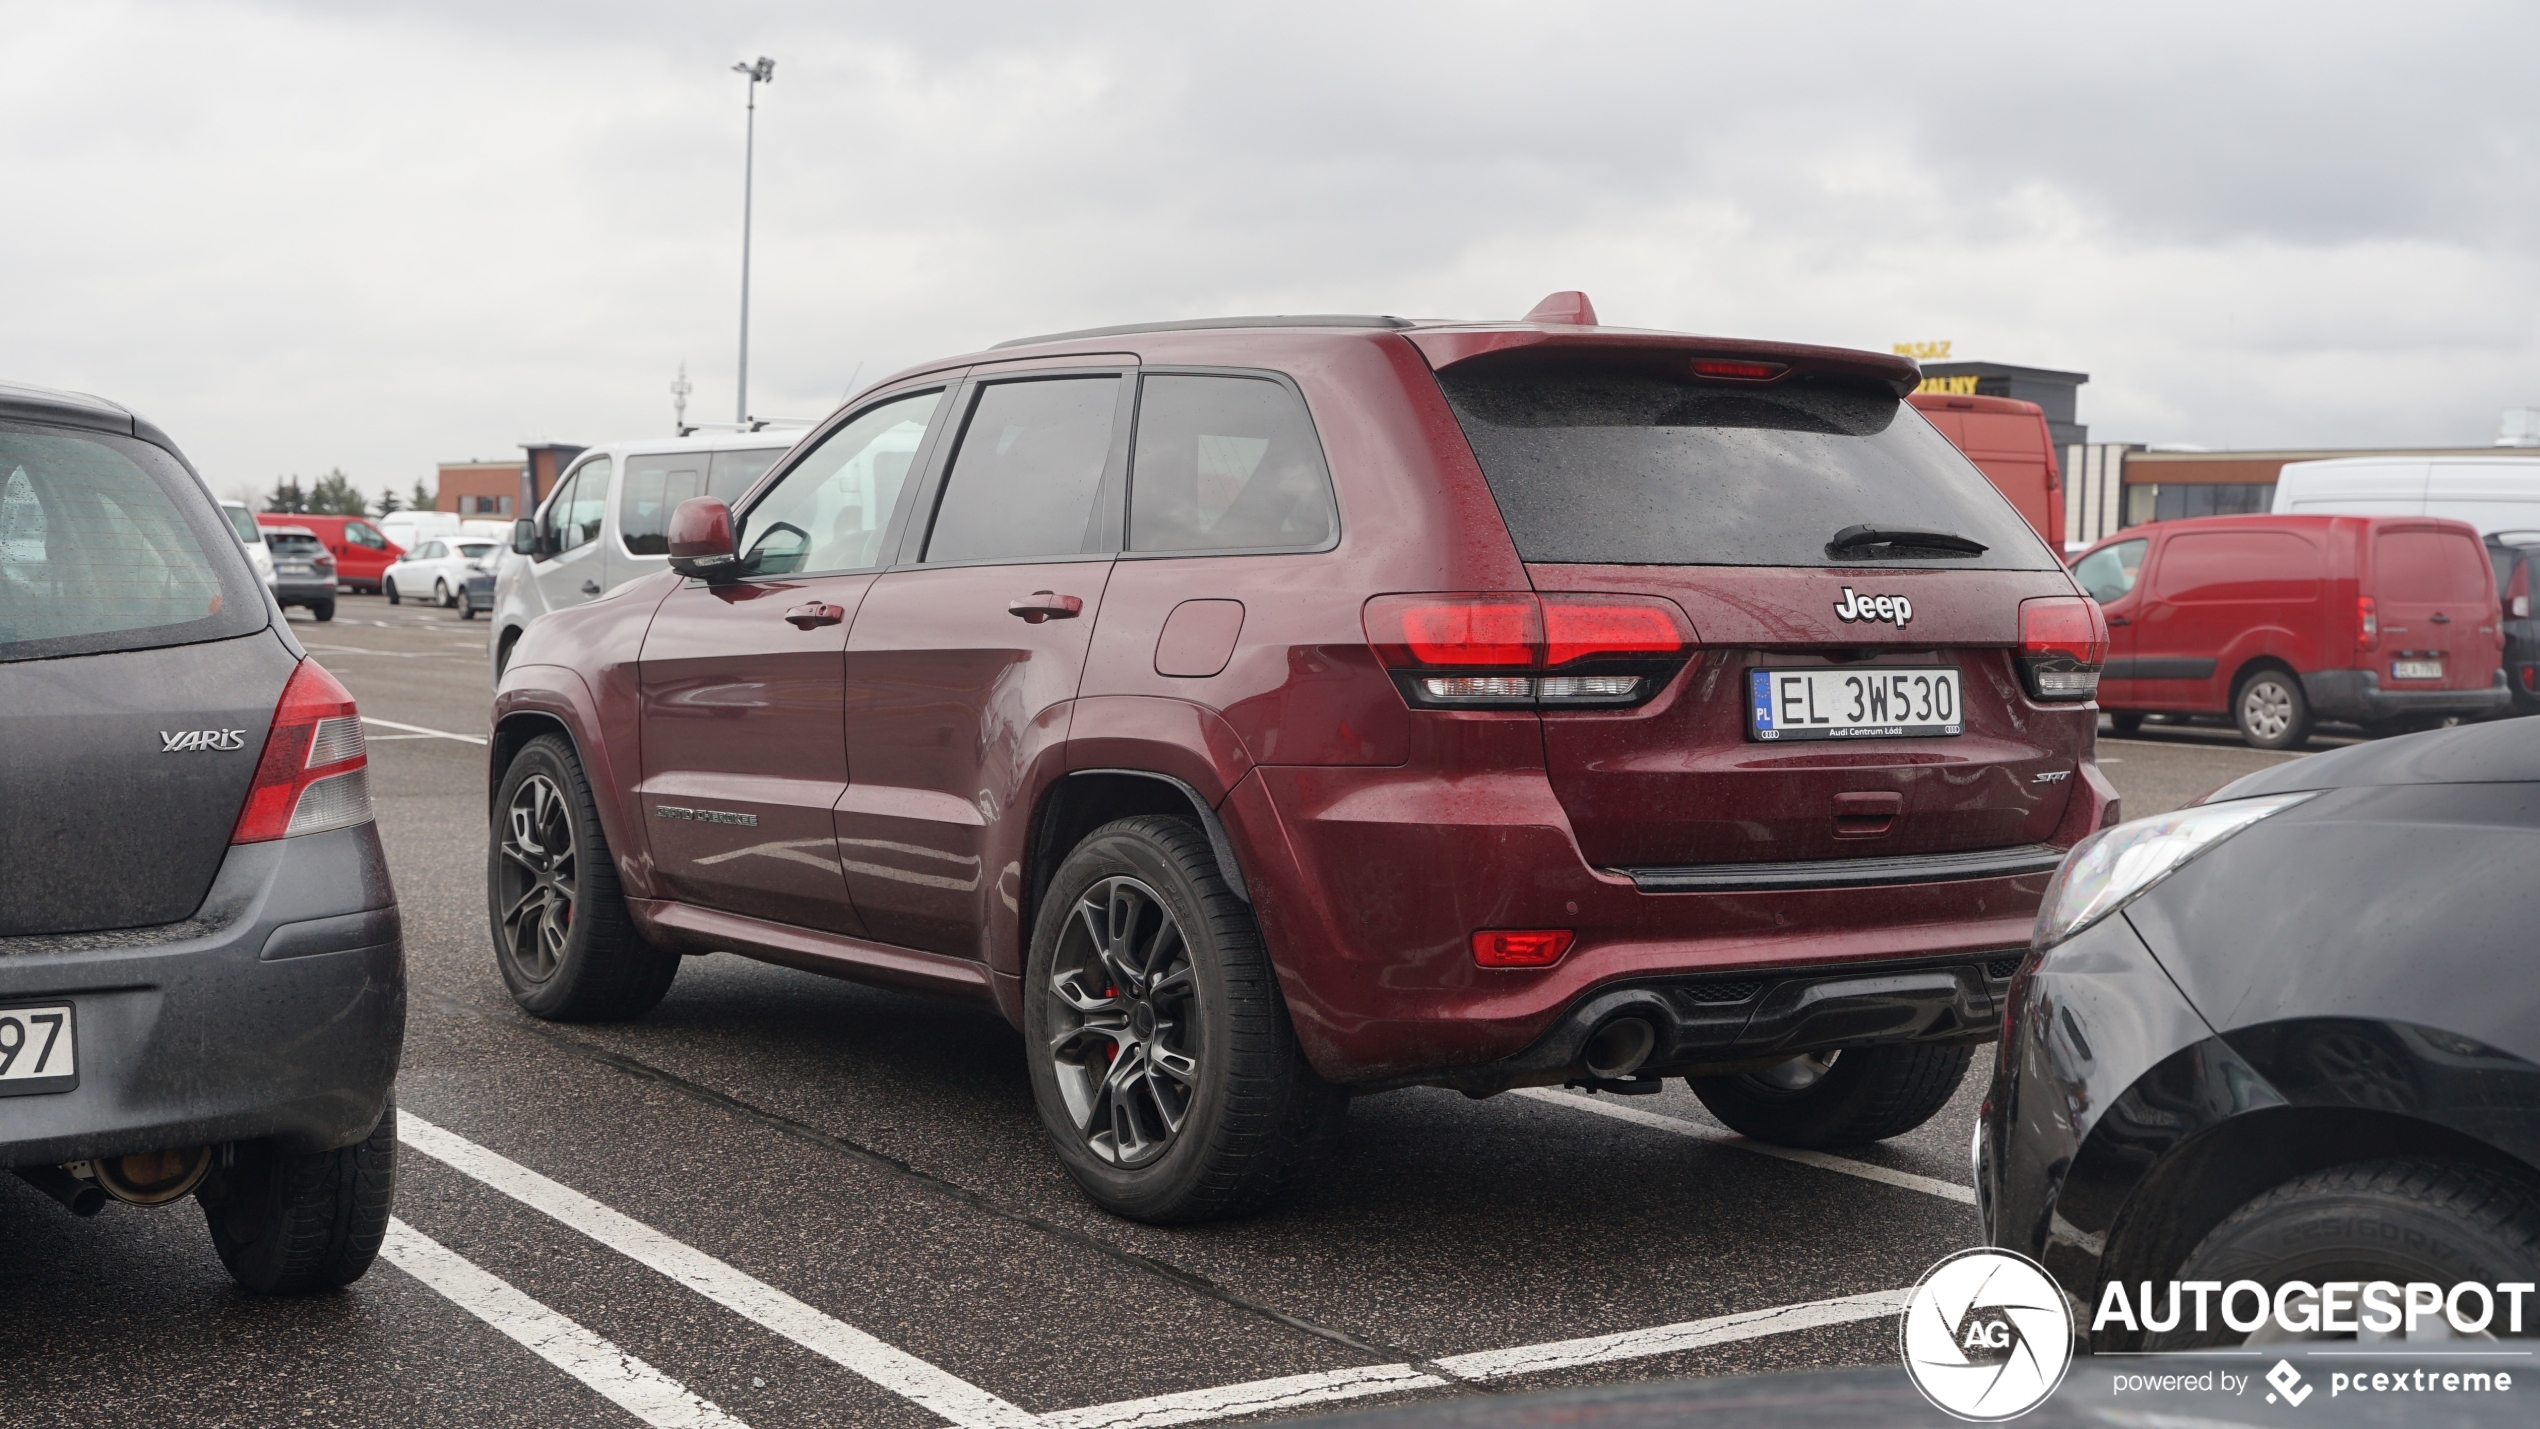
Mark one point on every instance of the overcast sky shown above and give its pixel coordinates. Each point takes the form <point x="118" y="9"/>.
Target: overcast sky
<point x="303" y="236"/>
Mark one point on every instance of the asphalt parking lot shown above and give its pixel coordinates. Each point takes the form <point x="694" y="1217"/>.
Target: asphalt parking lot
<point x="781" y="1200"/>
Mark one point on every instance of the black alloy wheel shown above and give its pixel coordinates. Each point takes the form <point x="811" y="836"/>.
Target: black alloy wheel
<point x="1162" y="1060"/>
<point x="1126" y="1034"/>
<point x="534" y="877"/>
<point x="562" y="939"/>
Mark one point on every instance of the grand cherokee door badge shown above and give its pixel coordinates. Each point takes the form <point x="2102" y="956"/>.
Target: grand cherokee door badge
<point x="705" y="816"/>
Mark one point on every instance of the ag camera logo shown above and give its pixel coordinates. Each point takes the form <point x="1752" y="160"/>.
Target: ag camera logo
<point x="1987" y="1335"/>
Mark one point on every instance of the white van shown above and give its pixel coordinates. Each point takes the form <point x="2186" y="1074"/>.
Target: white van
<point x="2492" y="493"/>
<point x="607" y="521"/>
<point x="410" y="528"/>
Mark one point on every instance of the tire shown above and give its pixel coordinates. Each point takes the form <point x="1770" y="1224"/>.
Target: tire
<point x="2125" y="721"/>
<point x="2396" y="1220"/>
<point x="290" y="1222"/>
<point x="390" y="589"/>
<point x="1851" y="1097"/>
<point x="441" y="594"/>
<point x="1253" y="1118"/>
<point x="466" y="611"/>
<point x="321" y="610"/>
<point x="2272" y="712"/>
<point x="562" y="938"/>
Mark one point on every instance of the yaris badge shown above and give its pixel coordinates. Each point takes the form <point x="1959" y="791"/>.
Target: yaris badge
<point x="1893" y="608"/>
<point x="172" y="741"/>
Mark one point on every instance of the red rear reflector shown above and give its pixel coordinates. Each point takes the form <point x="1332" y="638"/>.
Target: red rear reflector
<point x="2367" y="624"/>
<point x="1735" y="370"/>
<point x="314" y="773"/>
<point x="1539" y="948"/>
<point x="1576" y="627"/>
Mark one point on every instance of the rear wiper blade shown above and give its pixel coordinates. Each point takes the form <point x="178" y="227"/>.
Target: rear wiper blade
<point x="1876" y="542"/>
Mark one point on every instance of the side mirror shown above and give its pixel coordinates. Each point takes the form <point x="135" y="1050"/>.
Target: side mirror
<point x="525" y="536"/>
<point x="701" y="540"/>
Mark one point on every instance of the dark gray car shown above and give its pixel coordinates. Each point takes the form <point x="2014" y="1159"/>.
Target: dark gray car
<point x="202" y="983"/>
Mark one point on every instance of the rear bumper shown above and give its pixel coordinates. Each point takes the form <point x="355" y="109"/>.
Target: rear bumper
<point x="1369" y="884"/>
<point x="278" y="1010"/>
<point x="2357" y="695"/>
<point x="1754" y="1019"/>
<point x="303" y="592"/>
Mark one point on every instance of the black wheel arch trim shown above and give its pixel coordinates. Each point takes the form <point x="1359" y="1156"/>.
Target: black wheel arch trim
<point x="1218" y="845"/>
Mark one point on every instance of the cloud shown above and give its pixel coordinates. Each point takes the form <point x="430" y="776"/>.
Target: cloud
<point x="303" y="235"/>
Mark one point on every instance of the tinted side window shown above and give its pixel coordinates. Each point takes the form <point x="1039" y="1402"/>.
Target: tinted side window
<point x="559" y="513"/>
<point x="655" y="484"/>
<point x="1223" y="464"/>
<point x="1029" y="468"/>
<point x="2107" y="574"/>
<point x="829" y="512"/>
<point x="578" y="519"/>
<point x="731" y="474"/>
<point x="2218" y="566"/>
<point x="107" y="544"/>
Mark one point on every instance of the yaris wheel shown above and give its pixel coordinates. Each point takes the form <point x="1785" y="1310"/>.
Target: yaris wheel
<point x="1162" y="1060"/>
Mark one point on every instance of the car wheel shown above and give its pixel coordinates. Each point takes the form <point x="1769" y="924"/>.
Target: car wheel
<point x="566" y="948"/>
<point x="2125" y="721"/>
<point x="390" y="588"/>
<point x="1846" y="1097"/>
<point x="321" y="610"/>
<point x="2397" y="1220"/>
<point x="2271" y="711"/>
<point x="286" y="1222"/>
<point x="467" y="610"/>
<point x="1161" y="1056"/>
<point x="441" y="594"/>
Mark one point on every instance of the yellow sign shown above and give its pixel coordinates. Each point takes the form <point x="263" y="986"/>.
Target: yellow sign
<point x="1954" y="386"/>
<point x="1926" y="351"/>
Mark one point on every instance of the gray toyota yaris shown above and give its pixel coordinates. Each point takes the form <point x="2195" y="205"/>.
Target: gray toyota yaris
<point x="202" y="984"/>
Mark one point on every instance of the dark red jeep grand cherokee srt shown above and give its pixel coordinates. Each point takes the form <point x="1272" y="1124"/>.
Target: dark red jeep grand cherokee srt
<point x="1260" y="710"/>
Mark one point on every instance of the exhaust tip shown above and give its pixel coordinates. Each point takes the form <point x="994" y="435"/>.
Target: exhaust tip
<point x="1616" y="1050"/>
<point x="80" y="1198"/>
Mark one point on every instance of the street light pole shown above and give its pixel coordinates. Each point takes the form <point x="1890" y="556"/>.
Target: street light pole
<point x="761" y="71"/>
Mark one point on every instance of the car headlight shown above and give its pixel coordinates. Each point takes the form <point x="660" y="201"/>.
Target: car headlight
<point x="2113" y="867"/>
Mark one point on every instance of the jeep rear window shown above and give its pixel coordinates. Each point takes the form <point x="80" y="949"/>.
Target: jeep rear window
<point x="106" y="543"/>
<point x="1596" y="464"/>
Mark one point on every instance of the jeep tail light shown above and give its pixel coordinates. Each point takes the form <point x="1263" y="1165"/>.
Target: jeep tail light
<point x="2063" y="644"/>
<point x="2367" y="624"/>
<point x="1519" y="650"/>
<point x="1533" y="948"/>
<point x="315" y="771"/>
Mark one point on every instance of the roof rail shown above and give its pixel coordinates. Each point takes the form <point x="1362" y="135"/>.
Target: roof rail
<point x="1196" y="324"/>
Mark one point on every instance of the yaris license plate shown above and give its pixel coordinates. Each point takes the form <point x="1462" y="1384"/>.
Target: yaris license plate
<point x="38" y="1049"/>
<point x="1880" y="702"/>
<point x="2416" y="669"/>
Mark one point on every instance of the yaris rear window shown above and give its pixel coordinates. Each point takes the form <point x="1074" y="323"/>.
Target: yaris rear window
<point x="106" y="543"/>
<point x="1597" y="464"/>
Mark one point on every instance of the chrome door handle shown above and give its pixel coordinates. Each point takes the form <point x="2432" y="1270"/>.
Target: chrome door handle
<point x="590" y="587"/>
<point x="1043" y="605"/>
<point x="804" y="617"/>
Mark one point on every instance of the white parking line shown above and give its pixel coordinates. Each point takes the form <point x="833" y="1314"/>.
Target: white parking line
<point x="904" y="1374"/>
<point x="1300" y="1391"/>
<point x="621" y="1378"/>
<point x="422" y="729"/>
<point x="1678" y="1126"/>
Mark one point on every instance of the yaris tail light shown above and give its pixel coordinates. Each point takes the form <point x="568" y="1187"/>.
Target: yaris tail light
<point x="2063" y="644"/>
<point x="314" y="774"/>
<point x="1520" y="650"/>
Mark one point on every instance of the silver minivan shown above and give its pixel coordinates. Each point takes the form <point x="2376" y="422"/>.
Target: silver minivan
<point x="604" y="523"/>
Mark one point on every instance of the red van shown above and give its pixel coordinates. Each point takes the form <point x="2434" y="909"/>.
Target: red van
<point x="2384" y="621"/>
<point x="2010" y="443"/>
<point x="362" y="554"/>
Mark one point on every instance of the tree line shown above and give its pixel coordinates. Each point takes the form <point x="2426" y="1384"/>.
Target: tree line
<point x="335" y="495"/>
